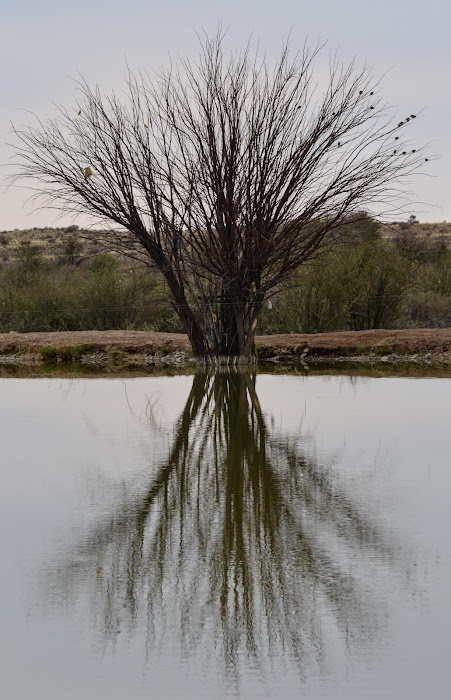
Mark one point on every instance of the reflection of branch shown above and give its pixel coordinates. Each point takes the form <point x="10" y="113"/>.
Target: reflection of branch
<point x="241" y="541"/>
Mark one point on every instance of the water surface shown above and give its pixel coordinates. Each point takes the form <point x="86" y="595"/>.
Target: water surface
<point x="227" y="535"/>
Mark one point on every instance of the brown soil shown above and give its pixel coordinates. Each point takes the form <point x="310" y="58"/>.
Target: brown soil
<point x="418" y="340"/>
<point x="141" y="342"/>
<point x="380" y="342"/>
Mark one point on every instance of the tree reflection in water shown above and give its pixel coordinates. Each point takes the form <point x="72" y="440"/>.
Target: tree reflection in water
<point x="243" y="546"/>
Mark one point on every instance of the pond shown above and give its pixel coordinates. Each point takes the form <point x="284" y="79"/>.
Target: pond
<point x="225" y="535"/>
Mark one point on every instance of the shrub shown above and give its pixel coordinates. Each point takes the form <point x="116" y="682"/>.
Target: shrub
<point x="48" y="352"/>
<point x="359" y="285"/>
<point x="426" y="309"/>
<point x="70" y="250"/>
<point x="365" y="282"/>
<point x="36" y="295"/>
<point x="62" y="353"/>
<point x="375" y="278"/>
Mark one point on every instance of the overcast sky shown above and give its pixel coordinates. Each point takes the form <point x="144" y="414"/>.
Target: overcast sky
<point x="45" y="44"/>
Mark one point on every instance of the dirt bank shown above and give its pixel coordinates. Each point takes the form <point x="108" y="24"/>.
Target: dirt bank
<point x="133" y="342"/>
<point x="140" y="347"/>
<point x="359" y="343"/>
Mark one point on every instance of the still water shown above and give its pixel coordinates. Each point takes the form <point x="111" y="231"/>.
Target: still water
<point x="225" y="536"/>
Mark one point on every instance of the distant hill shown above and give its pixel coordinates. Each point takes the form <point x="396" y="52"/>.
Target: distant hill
<point x="50" y="242"/>
<point x="431" y="231"/>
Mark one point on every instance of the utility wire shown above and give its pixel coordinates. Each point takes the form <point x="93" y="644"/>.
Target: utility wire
<point x="180" y="306"/>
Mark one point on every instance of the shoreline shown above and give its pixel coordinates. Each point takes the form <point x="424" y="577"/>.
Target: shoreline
<point x="147" y="351"/>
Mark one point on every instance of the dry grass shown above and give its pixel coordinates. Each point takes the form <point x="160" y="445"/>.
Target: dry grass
<point x="48" y="240"/>
<point x="428" y="231"/>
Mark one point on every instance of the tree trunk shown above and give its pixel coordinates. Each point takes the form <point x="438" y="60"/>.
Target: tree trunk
<point x="233" y="337"/>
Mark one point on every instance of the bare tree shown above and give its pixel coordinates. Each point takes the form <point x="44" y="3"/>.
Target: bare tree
<point x="227" y="173"/>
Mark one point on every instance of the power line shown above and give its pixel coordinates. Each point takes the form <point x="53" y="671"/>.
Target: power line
<point x="180" y="306"/>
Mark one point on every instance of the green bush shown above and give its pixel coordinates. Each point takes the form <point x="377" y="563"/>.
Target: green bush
<point x="37" y="295"/>
<point x="363" y="282"/>
<point x="375" y="278"/>
<point x="62" y="353"/>
<point x="426" y="309"/>
<point x="357" y="286"/>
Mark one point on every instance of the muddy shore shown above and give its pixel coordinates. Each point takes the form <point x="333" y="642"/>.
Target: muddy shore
<point x="141" y="348"/>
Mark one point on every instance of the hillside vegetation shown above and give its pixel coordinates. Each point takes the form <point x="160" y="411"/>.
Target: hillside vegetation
<point x="382" y="276"/>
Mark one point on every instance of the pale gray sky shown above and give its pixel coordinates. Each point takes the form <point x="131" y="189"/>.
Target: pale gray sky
<point x="44" y="44"/>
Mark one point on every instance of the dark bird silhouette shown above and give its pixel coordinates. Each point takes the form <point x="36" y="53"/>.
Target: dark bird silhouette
<point x="360" y="92"/>
<point x="414" y="151"/>
<point x="426" y="159"/>
<point x="400" y="123"/>
<point x="371" y="107"/>
<point x="371" y="93"/>
<point x="396" y="138"/>
<point x="413" y="116"/>
<point x="395" y="151"/>
<point x="408" y="119"/>
<point x="404" y="153"/>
